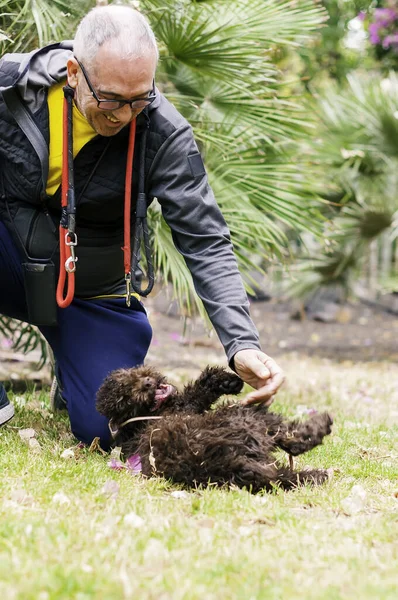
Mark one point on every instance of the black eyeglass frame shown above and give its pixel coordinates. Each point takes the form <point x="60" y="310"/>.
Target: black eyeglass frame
<point x="138" y="103"/>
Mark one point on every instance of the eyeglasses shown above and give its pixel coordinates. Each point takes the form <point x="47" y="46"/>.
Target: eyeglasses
<point x="104" y="104"/>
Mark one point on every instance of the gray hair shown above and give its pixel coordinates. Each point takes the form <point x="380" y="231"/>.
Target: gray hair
<point x="128" y="28"/>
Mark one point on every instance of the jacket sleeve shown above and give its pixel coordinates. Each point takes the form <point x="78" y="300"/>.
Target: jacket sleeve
<point x="179" y="182"/>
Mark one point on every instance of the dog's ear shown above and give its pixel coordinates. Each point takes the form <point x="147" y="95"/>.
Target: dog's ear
<point x="114" y="397"/>
<point x="107" y="396"/>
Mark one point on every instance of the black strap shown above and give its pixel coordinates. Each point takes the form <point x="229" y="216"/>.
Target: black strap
<point x="141" y="233"/>
<point x="26" y="122"/>
<point x="68" y="218"/>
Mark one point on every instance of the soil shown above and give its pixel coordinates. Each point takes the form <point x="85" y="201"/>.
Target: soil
<point x="358" y="333"/>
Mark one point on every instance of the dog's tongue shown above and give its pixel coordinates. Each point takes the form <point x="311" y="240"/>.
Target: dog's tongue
<point x="162" y="392"/>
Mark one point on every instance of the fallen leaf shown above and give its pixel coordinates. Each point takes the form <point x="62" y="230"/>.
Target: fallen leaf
<point x="20" y="496"/>
<point x="133" y="520"/>
<point x="152" y="461"/>
<point x="179" y="494"/>
<point x="95" y="446"/>
<point x="116" y="452"/>
<point x="26" y="434"/>
<point x="87" y="568"/>
<point x="60" y="498"/>
<point x="208" y="523"/>
<point x="355" y="501"/>
<point x="110" y="489"/>
<point x="68" y="453"/>
<point x="34" y="445"/>
<point x="245" y="531"/>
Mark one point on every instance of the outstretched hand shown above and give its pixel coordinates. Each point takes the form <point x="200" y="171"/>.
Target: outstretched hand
<point x="261" y="372"/>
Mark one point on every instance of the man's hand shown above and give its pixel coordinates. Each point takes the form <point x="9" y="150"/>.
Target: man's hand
<point x="261" y="372"/>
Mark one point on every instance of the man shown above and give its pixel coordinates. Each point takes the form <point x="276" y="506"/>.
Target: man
<point x="98" y="325"/>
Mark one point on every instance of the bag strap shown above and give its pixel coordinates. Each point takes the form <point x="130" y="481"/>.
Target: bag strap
<point x="26" y="122"/>
<point x="141" y="232"/>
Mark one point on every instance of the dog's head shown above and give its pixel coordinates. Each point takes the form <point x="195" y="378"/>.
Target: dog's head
<point x="136" y="392"/>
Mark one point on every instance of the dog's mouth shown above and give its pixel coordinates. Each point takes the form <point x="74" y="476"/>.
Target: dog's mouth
<point x="163" y="391"/>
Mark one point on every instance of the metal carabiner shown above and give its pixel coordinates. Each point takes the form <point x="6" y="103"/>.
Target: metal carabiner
<point x="70" y="261"/>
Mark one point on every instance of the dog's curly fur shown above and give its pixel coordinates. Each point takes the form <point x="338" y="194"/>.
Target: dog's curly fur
<point x="193" y="445"/>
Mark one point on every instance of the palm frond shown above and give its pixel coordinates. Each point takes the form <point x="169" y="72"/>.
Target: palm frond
<point x="355" y="149"/>
<point x="228" y="41"/>
<point x="24" y="338"/>
<point x="311" y="274"/>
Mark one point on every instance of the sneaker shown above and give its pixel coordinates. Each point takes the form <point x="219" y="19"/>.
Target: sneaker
<point x="6" y="408"/>
<point x="57" y="402"/>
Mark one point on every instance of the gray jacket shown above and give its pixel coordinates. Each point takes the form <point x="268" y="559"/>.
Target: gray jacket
<point x="174" y="174"/>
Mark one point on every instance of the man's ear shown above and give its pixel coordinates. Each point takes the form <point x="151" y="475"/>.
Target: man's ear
<point x="72" y="68"/>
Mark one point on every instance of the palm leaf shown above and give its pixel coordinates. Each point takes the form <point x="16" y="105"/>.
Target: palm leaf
<point x="24" y="337"/>
<point x="354" y="148"/>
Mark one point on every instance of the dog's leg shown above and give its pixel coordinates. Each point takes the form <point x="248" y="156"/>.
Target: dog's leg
<point x="288" y="480"/>
<point x="213" y="383"/>
<point x="255" y="476"/>
<point x="298" y="437"/>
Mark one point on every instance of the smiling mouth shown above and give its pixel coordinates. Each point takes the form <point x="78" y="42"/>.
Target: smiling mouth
<point x="162" y="393"/>
<point x="112" y="120"/>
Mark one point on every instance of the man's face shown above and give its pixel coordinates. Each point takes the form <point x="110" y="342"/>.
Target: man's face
<point x="113" y="78"/>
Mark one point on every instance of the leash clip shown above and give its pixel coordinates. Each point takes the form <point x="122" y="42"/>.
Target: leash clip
<point x="71" y="235"/>
<point x="71" y="241"/>
<point x="70" y="263"/>
<point x="128" y="288"/>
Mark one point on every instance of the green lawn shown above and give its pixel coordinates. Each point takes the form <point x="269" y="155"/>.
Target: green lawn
<point x="72" y="528"/>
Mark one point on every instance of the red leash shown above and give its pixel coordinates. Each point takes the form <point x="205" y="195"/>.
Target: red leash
<point x="127" y="211"/>
<point x="67" y="235"/>
<point x="67" y="238"/>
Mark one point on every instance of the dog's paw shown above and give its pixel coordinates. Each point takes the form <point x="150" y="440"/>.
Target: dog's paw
<point x="222" y="381"/>
<point x="316" y="477"/>
<point x="302" y="437"/>
<point x="320" y="425"/>
<point x="231" y="384"/>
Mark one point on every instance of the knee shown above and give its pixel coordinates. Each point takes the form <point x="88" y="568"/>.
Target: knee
<point x="86" y="430"/>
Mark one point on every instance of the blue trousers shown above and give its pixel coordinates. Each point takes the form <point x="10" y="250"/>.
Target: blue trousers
<point x="92" y="338"/>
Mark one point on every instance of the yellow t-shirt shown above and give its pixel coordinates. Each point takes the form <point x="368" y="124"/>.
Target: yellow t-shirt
<point x="82" y="133"/>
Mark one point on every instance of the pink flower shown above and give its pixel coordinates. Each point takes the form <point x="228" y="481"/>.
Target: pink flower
<point x="133" y="464"/>
<point x="116" y="464"/>
<point x="385" y="16"/>
<point x="391" y="41"/>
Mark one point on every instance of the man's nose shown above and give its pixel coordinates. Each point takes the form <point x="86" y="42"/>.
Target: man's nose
<point x="126" y="113"/>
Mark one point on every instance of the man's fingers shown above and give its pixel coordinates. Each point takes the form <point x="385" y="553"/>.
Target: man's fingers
<point x="265" y="397"/>
<point x="266" y="393"/>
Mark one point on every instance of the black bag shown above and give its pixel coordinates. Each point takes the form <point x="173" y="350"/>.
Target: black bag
<point x="40" y="291"/>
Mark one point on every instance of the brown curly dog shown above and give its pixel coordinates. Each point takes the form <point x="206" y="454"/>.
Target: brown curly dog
<point x="178" y="437"/>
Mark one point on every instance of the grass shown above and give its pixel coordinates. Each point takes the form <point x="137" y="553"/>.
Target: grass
<point x="74" y="529"/>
